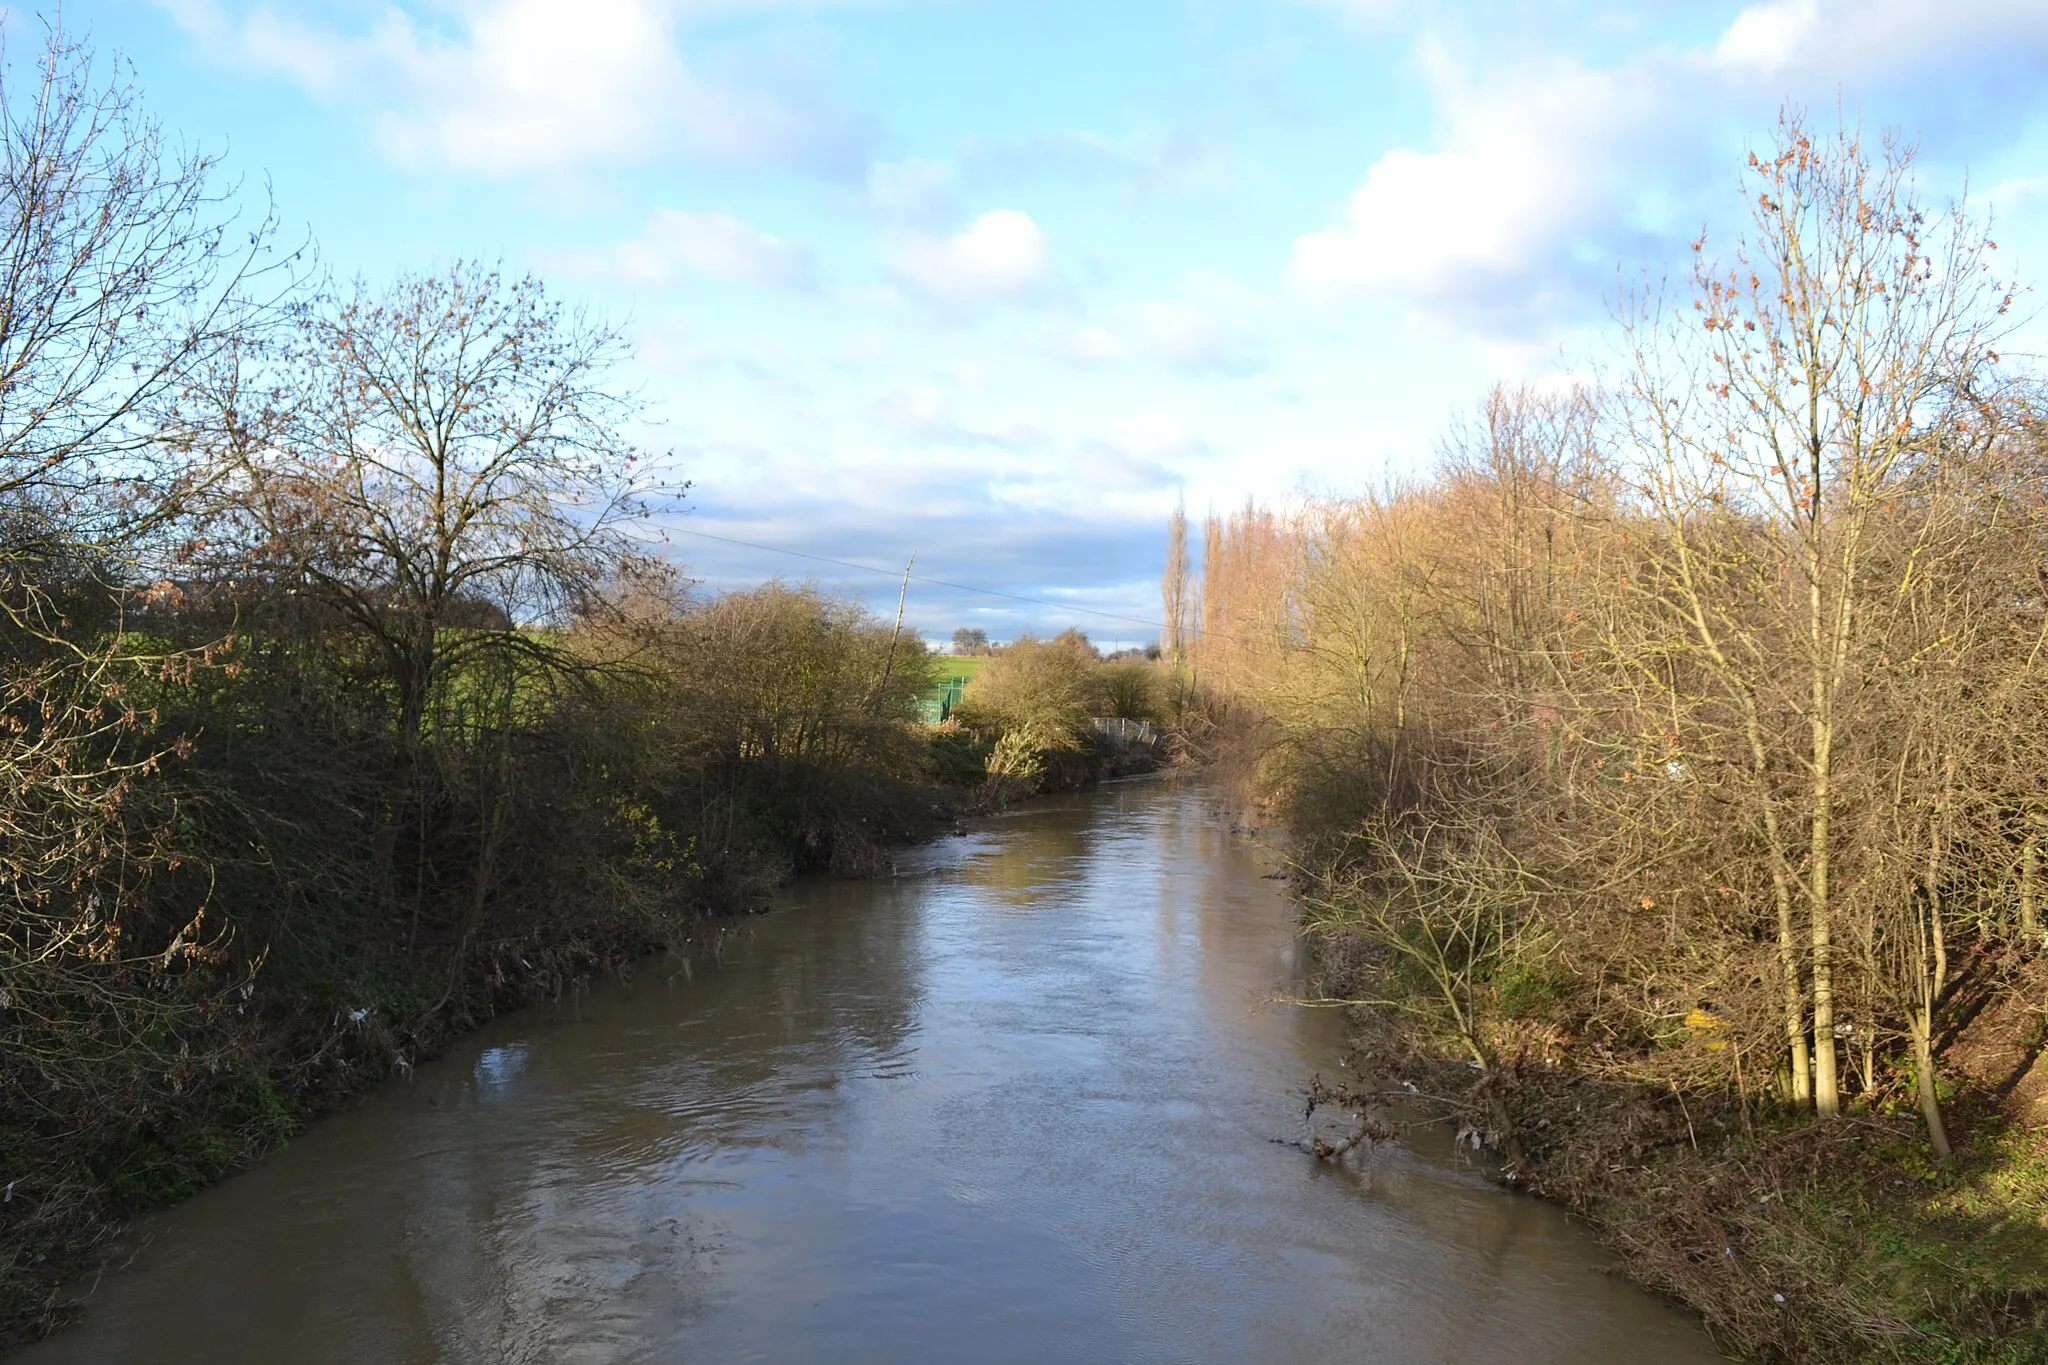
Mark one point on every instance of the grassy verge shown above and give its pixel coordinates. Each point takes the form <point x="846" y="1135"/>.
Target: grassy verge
<point x="1794" y="1239"/>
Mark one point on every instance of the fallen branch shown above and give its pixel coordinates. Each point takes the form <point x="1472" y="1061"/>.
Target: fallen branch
<point x="1369" y="1127"/>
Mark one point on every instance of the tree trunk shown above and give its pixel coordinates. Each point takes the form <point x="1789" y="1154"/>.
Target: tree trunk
<point x="1932" y="951"/>
<point x="1795" y="1004"/>
<point x="2030" y="911"/>
<point x="1827" y="1096"/>
<point x="1923" y="1066"/>
<point x="1800" y="1062"/>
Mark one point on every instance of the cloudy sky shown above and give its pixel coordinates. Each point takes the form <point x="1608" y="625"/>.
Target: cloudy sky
<point x="995" y="281"/>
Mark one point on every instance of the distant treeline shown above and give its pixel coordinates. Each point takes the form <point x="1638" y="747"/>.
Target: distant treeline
<point x="1677" y="754"/>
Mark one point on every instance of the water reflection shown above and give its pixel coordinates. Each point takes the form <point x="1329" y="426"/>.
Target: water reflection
<point x="1016" y="1105"/>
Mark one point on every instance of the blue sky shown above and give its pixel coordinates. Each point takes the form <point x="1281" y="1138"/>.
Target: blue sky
<point x="997" y="281"/>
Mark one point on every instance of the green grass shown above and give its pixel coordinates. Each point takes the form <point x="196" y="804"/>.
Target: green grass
<point x="942" y="671"/>
<point x="1970" y="1244"/>
<point x="1888" y="1255"/>
<point x="968" y="666"/>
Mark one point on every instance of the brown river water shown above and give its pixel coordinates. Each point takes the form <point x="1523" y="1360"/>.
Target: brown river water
<point x="1016" y="1104"/>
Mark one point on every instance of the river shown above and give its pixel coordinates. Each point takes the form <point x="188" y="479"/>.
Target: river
<point x="1016" y="1104"/>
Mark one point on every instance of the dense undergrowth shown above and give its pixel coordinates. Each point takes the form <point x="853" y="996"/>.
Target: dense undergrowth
<point x="293" y="902"/>
<point x="1794" y="1239"/>
<point x="1665" y="777"/>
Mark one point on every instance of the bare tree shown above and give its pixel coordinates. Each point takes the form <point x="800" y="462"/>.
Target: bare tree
<point x="121" y="267"/>
<point x="1174" y="586"/>
<point x="409" y="454"/>
<point x="1767" y="429"/>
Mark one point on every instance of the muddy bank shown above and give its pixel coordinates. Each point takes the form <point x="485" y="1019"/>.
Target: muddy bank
<point x="1795" y="1239"/>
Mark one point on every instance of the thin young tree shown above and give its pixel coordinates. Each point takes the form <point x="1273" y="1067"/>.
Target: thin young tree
<point x="1174" y="585"/>
<point x="1767" y="428"/>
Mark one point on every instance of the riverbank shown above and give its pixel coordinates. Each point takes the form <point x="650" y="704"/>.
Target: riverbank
<point x="1018" y="1101"/>
<point x="284" y="893"/>
<point x="313" y="1047"/>
<point x="1692" y="794"/>
<point x="345" y="719"/>
<point x="1794" y="1239"/>
<point x="306" y="1045"/>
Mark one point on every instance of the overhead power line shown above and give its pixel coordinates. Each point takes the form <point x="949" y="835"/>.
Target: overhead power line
<point x="919" y="578"/>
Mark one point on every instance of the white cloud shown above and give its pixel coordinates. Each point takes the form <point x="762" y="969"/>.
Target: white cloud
<point x="912" y="188"/>
<point x="2016" y="192"/>
<point x="1543" y="175"/>
<point x="720" y="245"/>
<point x="528" y="90"/>
<point x="921" y="414"/>
<point x="1002" y="255"/>
<point x="1089" y="344"/>
<point x="501" y="87"/>
<point x="1768" y="37"/>
<point x="1211" y="325"/>
<point x="1154" y="436"/>
<point x="1859" y="38"/>
<point x="1524" y="167"/>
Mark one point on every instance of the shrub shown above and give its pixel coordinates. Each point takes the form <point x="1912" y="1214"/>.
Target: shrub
<point x="1045" y="693"/>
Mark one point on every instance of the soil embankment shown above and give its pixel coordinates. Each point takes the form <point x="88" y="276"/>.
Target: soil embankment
<point x="1794" y="1238"/>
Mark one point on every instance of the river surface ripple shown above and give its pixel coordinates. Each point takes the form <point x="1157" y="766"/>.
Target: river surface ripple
<point x="1016" y="1104"/>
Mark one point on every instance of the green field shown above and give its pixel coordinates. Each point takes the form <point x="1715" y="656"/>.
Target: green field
<point x="950" y="674"/>
<point x="966" y="666"/>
